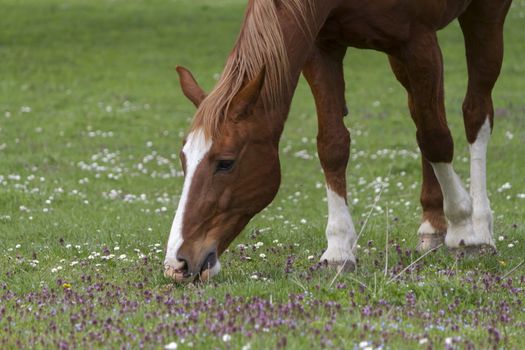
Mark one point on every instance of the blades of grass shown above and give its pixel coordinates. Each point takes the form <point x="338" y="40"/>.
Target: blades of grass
<point x="376" y="200"/>
<point x="297" y="282"/>
<point x="412" y="264"/>
<point x="355" y="280"/>
<point x="386" y="241"/>
<point x="513" y="269"/>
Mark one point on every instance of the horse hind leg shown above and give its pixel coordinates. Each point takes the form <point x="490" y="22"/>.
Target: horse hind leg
<point x="482" y="26"/>
<point x="433" y="228"/>
<point x="324" y="73"/>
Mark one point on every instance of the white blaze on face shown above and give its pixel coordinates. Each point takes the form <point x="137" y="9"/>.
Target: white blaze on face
<point x="194" y="150"/>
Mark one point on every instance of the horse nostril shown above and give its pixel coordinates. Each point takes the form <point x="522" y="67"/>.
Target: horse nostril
<point x="209" y="262"/>
<point x="184" y="267"/>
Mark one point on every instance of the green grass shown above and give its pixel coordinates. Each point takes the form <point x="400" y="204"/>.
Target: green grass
<point x="93" y="81"/>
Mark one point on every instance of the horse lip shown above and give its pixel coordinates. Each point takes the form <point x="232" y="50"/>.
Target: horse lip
<point x="177" y="275"/>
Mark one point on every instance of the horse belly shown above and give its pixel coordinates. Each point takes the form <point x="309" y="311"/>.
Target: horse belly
<point x="379" y="25"/>
<point x="385" y="24"/>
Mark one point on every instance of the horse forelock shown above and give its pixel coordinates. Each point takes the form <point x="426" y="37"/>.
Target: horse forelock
<point x="260" y="43"/>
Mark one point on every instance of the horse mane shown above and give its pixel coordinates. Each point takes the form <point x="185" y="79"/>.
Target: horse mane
<point x="260" y="43"/>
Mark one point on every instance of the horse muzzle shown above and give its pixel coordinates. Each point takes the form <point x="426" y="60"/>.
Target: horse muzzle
<point x="186" y="270"/>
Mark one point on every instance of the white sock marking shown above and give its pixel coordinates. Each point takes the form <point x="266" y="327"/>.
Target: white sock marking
<point x="194" y="150"/>
<point x="456" y="201"/>
<point x="457" y="206"/>
<point x="340" y="231"/>
<point x="426" y="228"/>
<point x="482" y="214"/>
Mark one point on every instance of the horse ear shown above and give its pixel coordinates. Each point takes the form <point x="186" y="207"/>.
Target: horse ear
<point x="243" y="103"/>
<point x="189" y="86"/>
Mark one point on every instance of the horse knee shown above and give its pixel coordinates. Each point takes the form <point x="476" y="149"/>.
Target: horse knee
<point x="334" y="149"/>
<point x="476" y="110"/>
<point x="436" y="145"/>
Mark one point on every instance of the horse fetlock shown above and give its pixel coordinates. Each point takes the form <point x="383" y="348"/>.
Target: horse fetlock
<point x="459" y="211"/>
<point x="483" y="226"/>
<point x="482" y="220"/>
<point x="464" y="234"/>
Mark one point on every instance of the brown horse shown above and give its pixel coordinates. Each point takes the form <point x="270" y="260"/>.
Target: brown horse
<point x="230" y="157"/>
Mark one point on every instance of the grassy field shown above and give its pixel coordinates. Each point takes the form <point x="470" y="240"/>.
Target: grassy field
<point x="91" y="122"/>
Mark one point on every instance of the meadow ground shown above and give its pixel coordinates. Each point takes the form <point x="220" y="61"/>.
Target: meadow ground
<point x="91" y="121"/>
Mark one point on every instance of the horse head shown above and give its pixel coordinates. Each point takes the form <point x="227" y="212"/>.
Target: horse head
<point x="229" y="177"/>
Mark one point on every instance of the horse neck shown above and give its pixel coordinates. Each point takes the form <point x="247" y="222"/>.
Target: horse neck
<point x="298" y="42"/>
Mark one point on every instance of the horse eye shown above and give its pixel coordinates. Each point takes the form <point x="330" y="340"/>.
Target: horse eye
<point x="224" y="165"/>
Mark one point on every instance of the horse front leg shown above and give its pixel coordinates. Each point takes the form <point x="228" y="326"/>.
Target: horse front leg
<point x="482" y="26"/>
<point x="324" y="73"/>
<point x="424" y="67"/>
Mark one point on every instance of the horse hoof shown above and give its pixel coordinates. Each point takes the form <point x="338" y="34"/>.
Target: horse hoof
<point x="429" y="241"/>
<point x="341" y="266"/>
<point x="474" y="250"/>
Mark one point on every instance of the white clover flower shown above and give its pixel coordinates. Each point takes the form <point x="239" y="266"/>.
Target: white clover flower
<point x="364" y="344"/>
<point x="504" y="187"/>
<point x="170" y="346"/>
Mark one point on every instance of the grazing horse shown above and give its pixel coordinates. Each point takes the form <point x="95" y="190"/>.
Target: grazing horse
<point x="230" y="156"/>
